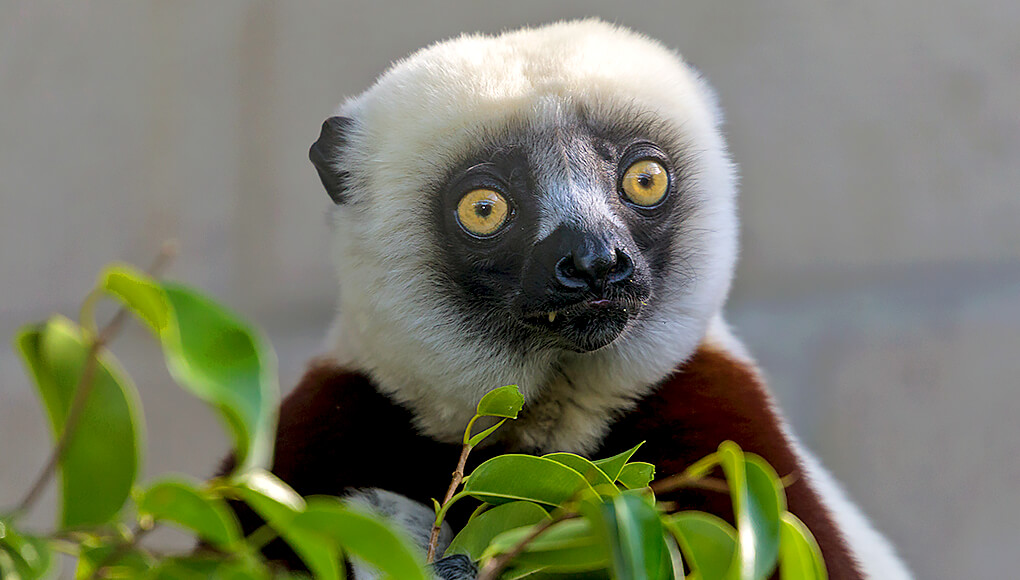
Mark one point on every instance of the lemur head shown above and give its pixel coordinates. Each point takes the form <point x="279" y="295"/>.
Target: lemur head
<point x="544" y="204"/>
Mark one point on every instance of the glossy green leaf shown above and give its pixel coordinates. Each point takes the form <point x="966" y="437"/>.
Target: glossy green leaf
<point x="709" y="544"/>
<point x="673" y="566"/>
<point x="612" y="466"/>
<point x="183" y="504"/>
<point x="101" y="461"/>
<point x="224" y="362"/>
<point x="502" y="402"/>
<point x="267" y="494"/>
<point x="24" y="557"/>
<point x="800" y="558"/>
<point x="364" y="536"/>
<point x="757" y="503"/>
<point x="140" y="293"/>
<point x="634" y="532"/>
<point x="636" y="475"/>
<point x="210" y="352"/>
<point x="276" y="503"/>
<point x="768" y="503"/>
<point x="475" y="537"/>
<point x="591" y="472"/>
<point x="515" y="477"/>
<point x="568" y="546"/>
<point x="478" y="437"/>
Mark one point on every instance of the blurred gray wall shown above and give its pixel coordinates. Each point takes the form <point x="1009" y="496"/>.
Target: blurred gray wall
<point x="879" y="145"/>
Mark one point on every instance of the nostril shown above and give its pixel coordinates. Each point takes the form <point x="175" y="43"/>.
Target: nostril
<point x="568" y="275"/>
<point x="622" y="269"/>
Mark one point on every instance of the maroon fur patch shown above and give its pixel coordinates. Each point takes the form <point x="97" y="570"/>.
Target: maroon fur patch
<point x="712" y="398"/>
<point x="336" y="432"/>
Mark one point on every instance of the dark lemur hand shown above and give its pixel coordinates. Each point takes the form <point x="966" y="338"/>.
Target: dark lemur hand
<point x="456" y="567"/>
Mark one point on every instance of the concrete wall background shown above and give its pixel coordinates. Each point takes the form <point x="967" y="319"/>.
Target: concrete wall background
<point x="879" y="145"/>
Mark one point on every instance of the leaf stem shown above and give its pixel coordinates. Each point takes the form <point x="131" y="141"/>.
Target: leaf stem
<point x="261" y="536"/>
<point x="84" y="388"/>
<point x="495" y="566"/>
<point x="458" y="477"/>
<point x="136" y="536"/>
<point x="689" y="477"/>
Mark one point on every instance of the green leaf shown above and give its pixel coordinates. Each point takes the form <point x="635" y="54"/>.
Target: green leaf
<point x="568" y="546"/>
<point x="210" y="352"/>
<point x="800" y="558"/>
<point x="475" y="537"/>
<point x="140" y="293"/>
<point x="709" y="543"/>
<point x="101" y="460"/>
<point x="364" y="536"/>
<point x="180" y="502"/>
<point x="224" y="362"/>
<point x="543" y="573"/>
<point x="612" y="466"/>
<point x="757" y="503"/>
<point x="22" y="556"/>
<point x="635" y="535"/>
<point x="276" y="503"/>
<point x="502" y="402"/>
<point x="267" y="494"/>
<point x="477" y="438"/>
<point x="636" y="475"/>
<point x="515" y="477"/>
<point x="131" y="564"/>
<point x="592" y="474"/>
<point x="205" y="567"/>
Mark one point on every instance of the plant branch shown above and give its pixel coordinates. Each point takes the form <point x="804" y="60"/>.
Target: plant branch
<point x="261" y="536"/>
<point x="85" y="386"/>
<point x="496" y="565"/>
<point x="686" y="480"/>
<point x="458" y="477"/>
<point x="136" y="536"/>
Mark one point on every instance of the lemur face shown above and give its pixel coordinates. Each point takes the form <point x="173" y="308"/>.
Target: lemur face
<point x="553" y="204"/>
<point x="563" y="226"/>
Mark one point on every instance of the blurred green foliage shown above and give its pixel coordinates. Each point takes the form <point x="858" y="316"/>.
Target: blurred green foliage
<point x="555" y="516"/>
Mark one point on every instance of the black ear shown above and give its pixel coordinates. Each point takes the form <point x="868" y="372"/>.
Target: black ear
<point x="324" y="153"/>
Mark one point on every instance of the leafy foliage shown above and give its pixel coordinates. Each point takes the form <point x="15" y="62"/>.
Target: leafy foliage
<point x="101" y="461"/>
<point x="539" y="517"/>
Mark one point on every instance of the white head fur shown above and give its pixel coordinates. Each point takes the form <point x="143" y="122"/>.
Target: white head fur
<point x="394" y="322"/>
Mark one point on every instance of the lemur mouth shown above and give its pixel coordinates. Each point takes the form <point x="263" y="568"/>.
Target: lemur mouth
<point x="585" y="325"/>
<point x="589" y="307"/>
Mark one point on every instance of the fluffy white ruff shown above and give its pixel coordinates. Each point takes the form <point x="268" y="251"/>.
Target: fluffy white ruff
<point x="395" y="324"/>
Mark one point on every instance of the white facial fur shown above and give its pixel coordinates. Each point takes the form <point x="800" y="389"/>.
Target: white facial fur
<point x="396" y="325"/>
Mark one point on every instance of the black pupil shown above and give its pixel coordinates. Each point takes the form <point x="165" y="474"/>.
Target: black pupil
<point x="644" y="180"/>
<point x="483" y="209"/>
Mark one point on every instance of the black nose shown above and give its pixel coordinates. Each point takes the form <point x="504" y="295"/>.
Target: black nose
<point x="594" y="266"/>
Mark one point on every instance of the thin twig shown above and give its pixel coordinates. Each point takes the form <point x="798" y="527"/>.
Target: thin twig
<point x="684" y="480"/>
<point x="136" y="536"/>
<point x="85" y="386"/>
<point x="495" y="566"/>
<point x="261" y="536"/>
<point x="458" y="476"/>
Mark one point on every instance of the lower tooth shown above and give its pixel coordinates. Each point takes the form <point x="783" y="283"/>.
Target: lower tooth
<point x="552" y="316"/>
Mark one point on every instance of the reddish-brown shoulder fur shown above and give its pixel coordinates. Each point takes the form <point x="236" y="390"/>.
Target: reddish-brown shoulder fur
<point x="338" y="432"/>
<point x="712" y="398"/>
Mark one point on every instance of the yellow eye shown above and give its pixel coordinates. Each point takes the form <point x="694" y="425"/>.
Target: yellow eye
<point x="645" y="183"/>
<point x="482" y="212"/>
